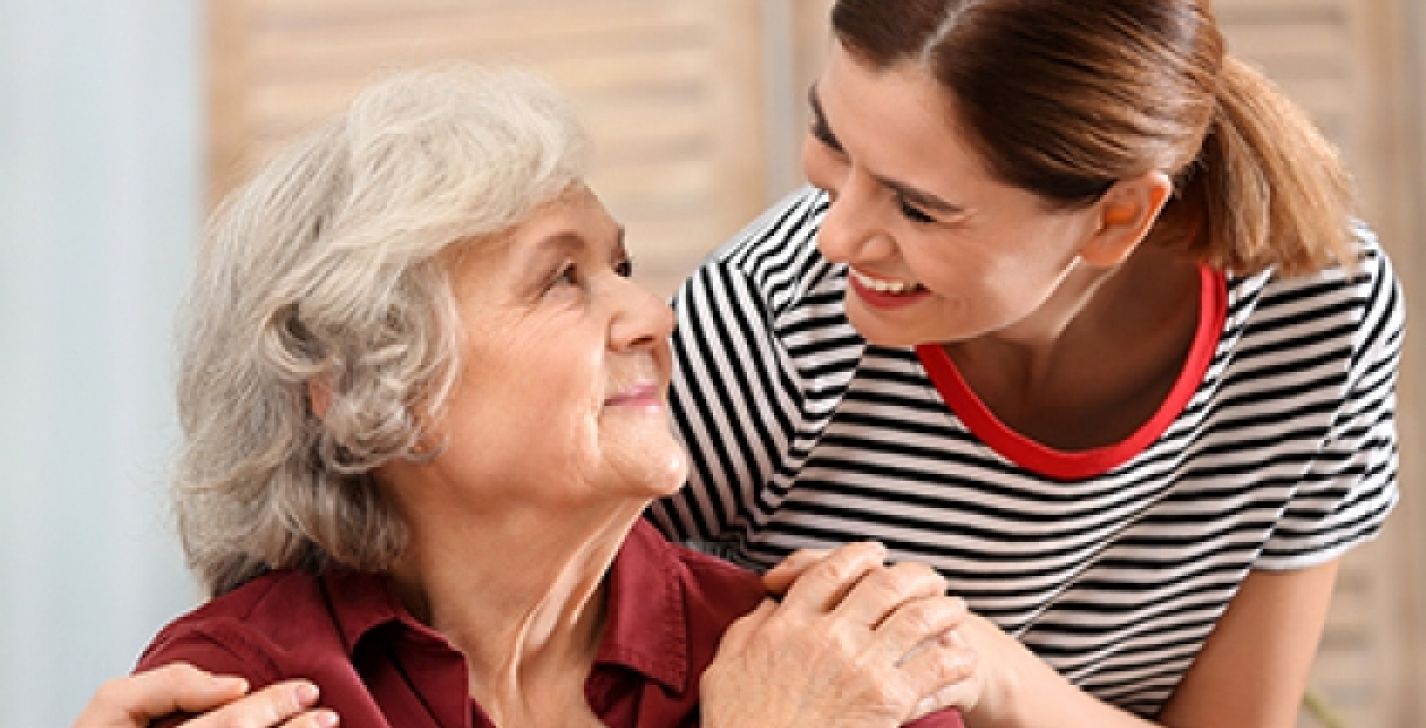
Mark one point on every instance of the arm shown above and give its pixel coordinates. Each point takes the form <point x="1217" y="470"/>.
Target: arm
<point x="134" y="701"/>
<point x="1252" y="671"/>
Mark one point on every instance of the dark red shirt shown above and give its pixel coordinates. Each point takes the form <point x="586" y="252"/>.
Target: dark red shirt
<point x="377" y="666"/>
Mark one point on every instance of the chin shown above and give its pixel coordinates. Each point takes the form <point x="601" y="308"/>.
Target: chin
<point x="655" y="473"/>
<point x="877" y="332"/>
<point x="674" y="474"/>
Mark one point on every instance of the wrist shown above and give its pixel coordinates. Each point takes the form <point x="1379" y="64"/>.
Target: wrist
<point x="1006" y="666"/>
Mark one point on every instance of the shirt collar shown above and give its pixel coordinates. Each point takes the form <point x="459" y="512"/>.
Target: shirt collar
<point x="645" y="628"/>
<point x="361" y="602"/>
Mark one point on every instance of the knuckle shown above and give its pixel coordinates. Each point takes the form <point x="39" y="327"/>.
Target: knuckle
<point x="886" y="585"/>
<point x="855" y="556"/>
<point x="922" y="617"/>
<point x="896" y="695"/>
<point x="921" y="575"/>
<point x="111" y="691"/>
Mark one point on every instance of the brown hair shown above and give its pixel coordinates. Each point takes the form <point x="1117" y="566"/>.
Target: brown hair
<point x="1065" y="97"/>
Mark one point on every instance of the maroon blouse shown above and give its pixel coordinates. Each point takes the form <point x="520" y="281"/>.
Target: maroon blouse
<point x="377" y="666"/>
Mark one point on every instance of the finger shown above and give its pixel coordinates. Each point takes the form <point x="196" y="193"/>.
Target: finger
<point x="957" y="696"/>
<point x="779" y="577"/>
<point x="321" y="718"/>
<point x="915" y="624"/>
<point x="168" y="689"/>
<point x="824" y="584"/>
<point x="270" y="706"/>
<point x="879" y="592"/>
<point x="942" y="676"/>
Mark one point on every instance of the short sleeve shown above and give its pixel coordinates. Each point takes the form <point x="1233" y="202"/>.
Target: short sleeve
<point x="1351" y="485"/>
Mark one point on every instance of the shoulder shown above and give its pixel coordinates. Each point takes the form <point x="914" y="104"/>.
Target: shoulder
<point x="715" y="591"/>
<point x="1371" y="280"/>
<point x="242" y="631"/>
<point x="775" y="257"/>
<point x="1359" y="306"/>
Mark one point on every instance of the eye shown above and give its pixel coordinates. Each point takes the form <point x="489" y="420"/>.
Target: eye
<point x="819" y="131"/>
<point x="624" y="267"/>
<point x="566" y="275"/>
<point x="913" y="213"/>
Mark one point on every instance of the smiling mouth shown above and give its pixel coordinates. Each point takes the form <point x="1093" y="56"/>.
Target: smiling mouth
<point x="885" y="285"/>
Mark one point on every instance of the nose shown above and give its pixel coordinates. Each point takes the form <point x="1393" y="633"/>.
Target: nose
<point x="641" y="318"/>
<point x="853" y="230"/>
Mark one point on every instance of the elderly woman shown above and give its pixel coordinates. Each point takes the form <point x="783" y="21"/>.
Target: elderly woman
<point x="425" y="406"/>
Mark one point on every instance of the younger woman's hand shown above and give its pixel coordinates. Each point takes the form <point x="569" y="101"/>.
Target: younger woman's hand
<point x="134" y="701"/>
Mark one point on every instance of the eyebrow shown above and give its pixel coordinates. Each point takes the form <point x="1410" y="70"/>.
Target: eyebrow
<point x="913" y="195"/>
<point x="570" y="241"/>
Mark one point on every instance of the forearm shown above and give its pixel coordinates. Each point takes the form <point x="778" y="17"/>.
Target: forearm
<point x="1025" y="692"/>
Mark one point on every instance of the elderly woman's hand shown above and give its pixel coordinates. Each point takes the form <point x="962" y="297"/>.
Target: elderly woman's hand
<point x="134" y="701"/>
<point x="852" y="644"/>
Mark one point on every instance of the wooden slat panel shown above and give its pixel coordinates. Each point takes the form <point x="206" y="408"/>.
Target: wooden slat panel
<point x="668" y="90"/>
<point x="1316" y="52"/>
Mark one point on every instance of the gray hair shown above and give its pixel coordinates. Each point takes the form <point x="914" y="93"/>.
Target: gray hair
<point x="321" y="271"/>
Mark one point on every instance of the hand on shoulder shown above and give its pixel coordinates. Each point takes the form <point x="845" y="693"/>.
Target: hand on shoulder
<point x="221" y="701"/>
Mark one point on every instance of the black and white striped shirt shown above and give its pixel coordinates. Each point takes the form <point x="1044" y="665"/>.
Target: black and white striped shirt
<point x="1277" y="450"/>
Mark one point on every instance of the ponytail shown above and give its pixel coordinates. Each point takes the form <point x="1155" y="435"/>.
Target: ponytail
<point x="1270" y="190"/>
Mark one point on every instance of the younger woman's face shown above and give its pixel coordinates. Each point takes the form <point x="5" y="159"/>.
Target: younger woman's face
<point x="938" y="250"/>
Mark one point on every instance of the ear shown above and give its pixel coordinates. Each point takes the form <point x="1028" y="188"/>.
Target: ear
<point x="319" y="395"/>
<point x="1125" y="214"/>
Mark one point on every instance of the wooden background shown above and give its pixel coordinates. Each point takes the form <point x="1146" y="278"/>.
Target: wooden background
<point x="696" y="107"/>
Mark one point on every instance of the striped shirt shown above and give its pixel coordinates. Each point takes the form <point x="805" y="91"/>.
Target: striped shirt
<point x="1275" y="450"/>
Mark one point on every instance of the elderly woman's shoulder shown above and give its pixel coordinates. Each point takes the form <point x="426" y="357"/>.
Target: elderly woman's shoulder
<point x="283" y="607"/>
<point x="718" y="589"/>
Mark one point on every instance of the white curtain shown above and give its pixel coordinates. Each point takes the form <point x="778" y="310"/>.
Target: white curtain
<point x="100" y="180"/>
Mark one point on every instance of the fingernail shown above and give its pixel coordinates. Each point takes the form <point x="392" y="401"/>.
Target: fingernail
<point x="230" y="683"/>
<point x="327" y="719"/>
<point x="307" y="693"/>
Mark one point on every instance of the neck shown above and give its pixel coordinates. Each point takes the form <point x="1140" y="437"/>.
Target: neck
<point x="521" y="595"/>
<point x="1029" y="350"/>
<point x="1104" y="349"/>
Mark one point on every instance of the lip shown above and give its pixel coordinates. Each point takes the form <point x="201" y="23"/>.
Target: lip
<point x="885" y="301"/>
<point x="644" y="394"/>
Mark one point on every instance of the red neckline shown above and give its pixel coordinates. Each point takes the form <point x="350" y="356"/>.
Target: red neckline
<point x="1081" y="464"/>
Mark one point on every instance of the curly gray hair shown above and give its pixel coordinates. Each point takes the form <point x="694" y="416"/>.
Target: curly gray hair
<point x="322" y="271"/>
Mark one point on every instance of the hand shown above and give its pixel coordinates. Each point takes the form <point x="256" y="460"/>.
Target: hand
<point x="976" y="635"/>
<point x="131" y="702"/>
<point x="853" y="644"/>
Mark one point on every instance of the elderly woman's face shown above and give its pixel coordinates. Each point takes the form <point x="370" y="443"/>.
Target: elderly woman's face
<point x="565" y="366"/>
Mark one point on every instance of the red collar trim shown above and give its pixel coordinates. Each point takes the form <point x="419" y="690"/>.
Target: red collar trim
<point x="1082" y="464"/>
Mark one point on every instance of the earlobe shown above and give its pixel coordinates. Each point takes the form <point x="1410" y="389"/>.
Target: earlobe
<point x="1125" y="214"/>
<point x="319" y="397"/>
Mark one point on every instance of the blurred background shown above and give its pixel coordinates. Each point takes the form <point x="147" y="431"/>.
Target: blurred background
<point x="122" y="120"/>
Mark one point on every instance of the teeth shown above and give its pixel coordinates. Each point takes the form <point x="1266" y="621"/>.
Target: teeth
<point x="882" y="285"/>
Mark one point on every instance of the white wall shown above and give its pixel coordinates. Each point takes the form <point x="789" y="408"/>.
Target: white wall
<point x="100" y="185"/>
